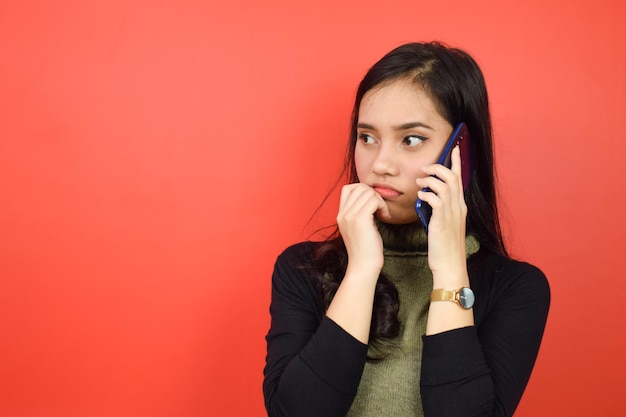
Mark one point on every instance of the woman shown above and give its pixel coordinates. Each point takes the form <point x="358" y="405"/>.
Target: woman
<point x="369" y="322"/>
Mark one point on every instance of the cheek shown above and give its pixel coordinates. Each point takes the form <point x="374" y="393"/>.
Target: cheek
<point x="413" y="171"/>
<point x="360" y="164"/>
<point x="412" y="166"/>
<point x="417" y="173"/>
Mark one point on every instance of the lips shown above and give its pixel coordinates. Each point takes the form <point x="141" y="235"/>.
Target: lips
<point x="386" y="191"/>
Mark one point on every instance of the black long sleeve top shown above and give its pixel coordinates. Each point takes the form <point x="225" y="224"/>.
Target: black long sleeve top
<point x="313" y="367"/>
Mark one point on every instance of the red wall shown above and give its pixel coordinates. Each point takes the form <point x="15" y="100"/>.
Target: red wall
<point x="156" y="156"/>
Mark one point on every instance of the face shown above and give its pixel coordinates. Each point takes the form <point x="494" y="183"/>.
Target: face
<point x="399" y="130"/>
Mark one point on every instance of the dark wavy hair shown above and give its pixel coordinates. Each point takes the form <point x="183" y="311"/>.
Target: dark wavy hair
<point x="455" y="83"/>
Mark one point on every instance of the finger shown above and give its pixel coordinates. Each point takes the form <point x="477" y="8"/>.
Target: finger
<point x="445" y="175"/>
<point x="372" y="202"/>
<point x="430" y="197"/>
<point x="383" y="208"/>
<point x="457" y="168"/>
<point x="360" y="199"/>
<point x="346" y="191"/>
<point x="435" y="185"/>
<point x="363" y="199"/>
<point x="441" y="172"/>
<point x="456" y="161"/>
<point x="351" y="193"/>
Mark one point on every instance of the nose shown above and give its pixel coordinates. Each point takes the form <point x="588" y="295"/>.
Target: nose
<point x="385" y="162"/>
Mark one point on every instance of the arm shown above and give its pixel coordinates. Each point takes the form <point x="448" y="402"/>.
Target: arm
<point x="316" y="371"/>
<point x="352" y="305"/>
<point x="483" y="370"/>
<point x="446" y="242"/>
<point x="313" y="367"/>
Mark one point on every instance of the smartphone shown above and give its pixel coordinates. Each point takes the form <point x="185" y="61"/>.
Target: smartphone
<point x="460" y="136"/>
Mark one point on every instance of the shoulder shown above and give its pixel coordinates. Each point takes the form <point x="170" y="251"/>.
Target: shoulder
<point x="298" y="263"/>
<point x="505" y="278"/>
<point x="299" y="248"/>
<point x="498" y="267"/>
<point x="296" y="280"/>
<point x="299" y="255"/>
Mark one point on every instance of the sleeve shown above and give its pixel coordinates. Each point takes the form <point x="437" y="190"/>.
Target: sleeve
<point x="313" y="367"/>
<point x="483" y="370"/>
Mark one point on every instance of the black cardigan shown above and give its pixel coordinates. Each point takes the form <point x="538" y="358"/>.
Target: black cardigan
<point x="313" y="367"/>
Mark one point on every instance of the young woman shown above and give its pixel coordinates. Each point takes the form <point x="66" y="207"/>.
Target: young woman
<point x="370" y="322"/>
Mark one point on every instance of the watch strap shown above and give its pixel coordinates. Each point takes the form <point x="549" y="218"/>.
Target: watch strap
<point x="440" y="294"/>
<point x="463" y="297"/>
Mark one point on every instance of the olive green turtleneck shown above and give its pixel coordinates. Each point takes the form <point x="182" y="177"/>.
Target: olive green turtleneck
<point x="391" y="386"/>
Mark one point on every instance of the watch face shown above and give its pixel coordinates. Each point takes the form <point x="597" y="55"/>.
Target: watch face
<point x="466" y="298"/>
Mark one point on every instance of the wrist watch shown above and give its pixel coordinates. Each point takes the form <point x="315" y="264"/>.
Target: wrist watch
<point x="464" y="297"/>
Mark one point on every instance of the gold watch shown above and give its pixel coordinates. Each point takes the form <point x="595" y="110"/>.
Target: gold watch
<point x="464" y="297"/>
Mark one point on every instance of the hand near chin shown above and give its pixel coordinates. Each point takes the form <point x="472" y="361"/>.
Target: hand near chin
<point x="357" y="206"/>
<point x="446" y="229"/>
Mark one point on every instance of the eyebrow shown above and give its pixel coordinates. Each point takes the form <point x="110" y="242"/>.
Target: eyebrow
<point x="404" y="126"/>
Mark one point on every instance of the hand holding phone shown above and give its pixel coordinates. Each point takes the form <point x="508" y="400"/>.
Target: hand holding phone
<point x="460" y="136"/>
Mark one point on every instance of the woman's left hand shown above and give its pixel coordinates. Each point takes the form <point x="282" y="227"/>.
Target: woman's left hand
<point x="446" y="229"/>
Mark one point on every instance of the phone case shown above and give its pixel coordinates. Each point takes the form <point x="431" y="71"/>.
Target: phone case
<point x="460" y="136"/>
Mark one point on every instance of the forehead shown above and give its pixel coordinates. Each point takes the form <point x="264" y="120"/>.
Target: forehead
<point x="396" y="102"/>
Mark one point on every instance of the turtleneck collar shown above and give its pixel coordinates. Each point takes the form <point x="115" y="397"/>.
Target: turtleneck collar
<point x="412" y="238"/>
<point x="403" y="237"/>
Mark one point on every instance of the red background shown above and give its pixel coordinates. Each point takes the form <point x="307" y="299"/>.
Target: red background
<point x="156" y="156"/>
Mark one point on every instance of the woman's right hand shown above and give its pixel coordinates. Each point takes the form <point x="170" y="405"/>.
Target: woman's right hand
<point x="357" y="207"/>
<point x="351" y="307"/>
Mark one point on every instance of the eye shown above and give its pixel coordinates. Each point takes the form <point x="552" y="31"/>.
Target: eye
<point x="365" y="138"/>
<point x="413" y="140"/>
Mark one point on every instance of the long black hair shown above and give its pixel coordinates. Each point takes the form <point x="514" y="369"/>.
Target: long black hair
<point x="454" y="81"/>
